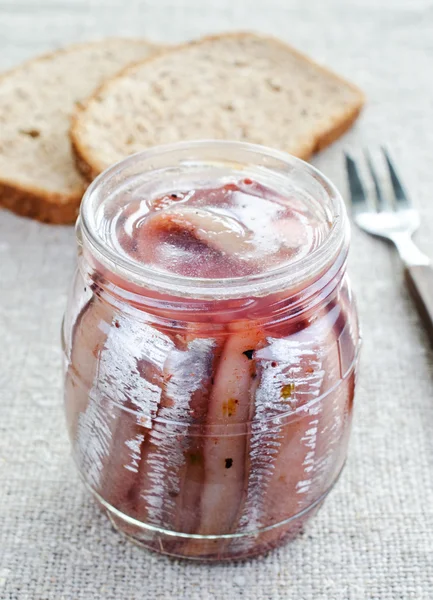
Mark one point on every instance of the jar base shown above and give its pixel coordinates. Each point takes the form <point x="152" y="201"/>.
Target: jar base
<point x="209" y="548"/>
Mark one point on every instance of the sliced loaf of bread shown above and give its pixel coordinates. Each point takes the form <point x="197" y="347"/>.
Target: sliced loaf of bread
<point x="38" y="177"/>
<point x="238" y="86"/>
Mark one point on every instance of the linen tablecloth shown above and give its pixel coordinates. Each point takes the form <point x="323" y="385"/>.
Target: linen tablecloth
<point x="374" y="537"/>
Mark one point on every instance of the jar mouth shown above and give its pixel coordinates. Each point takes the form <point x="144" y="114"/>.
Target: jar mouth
<point x="241" y="158"/>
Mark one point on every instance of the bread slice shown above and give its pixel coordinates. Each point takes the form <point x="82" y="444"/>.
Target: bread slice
<point x="38" y="177"/>
<point x="238" y="86"/>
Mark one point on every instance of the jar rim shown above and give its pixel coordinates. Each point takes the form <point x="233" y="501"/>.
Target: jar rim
<point x="262" y="284"/>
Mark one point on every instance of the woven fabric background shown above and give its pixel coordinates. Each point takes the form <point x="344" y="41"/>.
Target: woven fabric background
<point x="374" y="537"/>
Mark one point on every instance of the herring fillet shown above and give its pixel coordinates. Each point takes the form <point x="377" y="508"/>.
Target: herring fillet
<point x="166" y="491"/>
<point x="122" y="400"/>
<point x="130" y="379"/>
<point x="87" y="335"/>
<point x="274" y="449"/>
<point x="311" y="441"/>
<point x="225" y="450"/>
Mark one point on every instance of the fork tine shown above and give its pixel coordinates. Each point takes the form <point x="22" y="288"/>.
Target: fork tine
<point x="379" y="195"/>
<point x="357" y="193"/>
<point x="401" y="198"/>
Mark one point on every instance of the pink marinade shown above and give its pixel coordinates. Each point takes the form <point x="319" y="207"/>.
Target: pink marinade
<point x="147" y="406"/>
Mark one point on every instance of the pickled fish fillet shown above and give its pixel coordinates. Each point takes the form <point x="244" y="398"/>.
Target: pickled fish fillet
<point x="122" y="403"/>
<point x="225" y="450"/>
<point x="217" y="231"/>
<point x="165" y="475"/>
<point x="291" y="373"/>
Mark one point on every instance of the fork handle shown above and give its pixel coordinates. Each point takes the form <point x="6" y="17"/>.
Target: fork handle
<point x="420" y="281"/>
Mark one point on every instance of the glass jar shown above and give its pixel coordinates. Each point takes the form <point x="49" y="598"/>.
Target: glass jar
<point x="209" y="417"/>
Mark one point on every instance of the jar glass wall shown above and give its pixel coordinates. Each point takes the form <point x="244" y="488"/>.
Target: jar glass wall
<point x="209" y="417"/>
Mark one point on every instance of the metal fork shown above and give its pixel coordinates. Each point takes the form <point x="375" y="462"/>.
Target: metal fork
<point x="393" y="217"/>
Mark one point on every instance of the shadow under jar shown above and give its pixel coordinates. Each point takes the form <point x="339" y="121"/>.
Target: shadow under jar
<point x="211" y="342"/>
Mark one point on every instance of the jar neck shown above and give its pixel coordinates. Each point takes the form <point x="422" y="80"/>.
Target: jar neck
<point x="200" y="161"/>
<point x="288" y="303"/>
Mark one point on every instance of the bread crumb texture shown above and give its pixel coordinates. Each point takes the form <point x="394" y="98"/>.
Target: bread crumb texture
<point x="235" y="86"/>
<point x="38" y="177"/>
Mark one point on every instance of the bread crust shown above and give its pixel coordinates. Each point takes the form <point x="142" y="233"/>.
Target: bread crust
<point x="89" y="167"/>
<point x="39" y="204"/>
